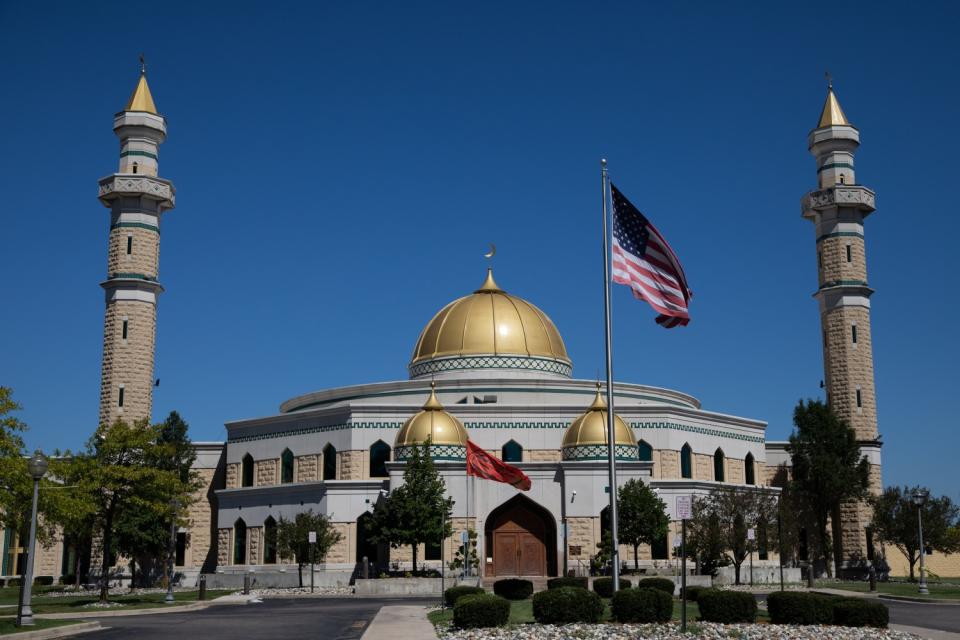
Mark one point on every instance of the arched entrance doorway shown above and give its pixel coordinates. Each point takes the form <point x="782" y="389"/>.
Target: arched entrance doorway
<point x="521" y="538"/>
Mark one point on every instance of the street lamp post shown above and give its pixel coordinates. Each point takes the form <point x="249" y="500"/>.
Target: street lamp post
<point x="37" y="466"/>
<point x="174" y="505"/>
<point x="920" y="498"/>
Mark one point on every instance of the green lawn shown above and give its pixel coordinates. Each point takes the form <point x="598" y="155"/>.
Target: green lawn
<point x="937" y="590"/>
<point x="7" y="625"/>
<point x="66" y="604"/>
<point x="521" y="612"/>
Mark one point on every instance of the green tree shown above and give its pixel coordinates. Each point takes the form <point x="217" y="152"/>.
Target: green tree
<point x="641" y="516"/>
<point x="895" y="522"/>
<point x="466" y="555"/>
<point x="828" y="470"/>
<point x="117" y="475"/>
<point x="705" y="538"/>
<point x="417" y="511"/>
<point x="293" y="538"/>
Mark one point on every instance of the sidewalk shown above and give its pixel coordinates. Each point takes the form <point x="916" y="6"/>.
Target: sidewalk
<point x="400" y="623"/>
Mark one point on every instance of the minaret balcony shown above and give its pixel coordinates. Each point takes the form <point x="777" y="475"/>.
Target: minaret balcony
<point x="842" y="195"/>
<point x="120" y="185"/>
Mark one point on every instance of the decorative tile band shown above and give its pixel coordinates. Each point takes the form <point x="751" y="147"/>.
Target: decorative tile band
<point x="490" y="362"/>
<point x="138" y="225"/>
<point x="691" y="429"/>
<point x="832" y="165"/>
<point x="437" y="452"/>
<point x="599" y="452"/>
<point x="133" y="152"/>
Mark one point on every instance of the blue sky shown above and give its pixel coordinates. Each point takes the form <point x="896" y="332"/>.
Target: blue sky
<point x="341" y="168"/>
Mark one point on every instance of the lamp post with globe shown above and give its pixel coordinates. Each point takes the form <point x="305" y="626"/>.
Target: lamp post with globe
<point x="920" y="498"/>
<point x="37" y="467"/>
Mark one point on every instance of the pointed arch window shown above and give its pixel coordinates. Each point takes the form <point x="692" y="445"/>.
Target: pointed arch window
<point x="512" y="452"/>
<point x="270" y="541"/>
<point x="329" y="462"/>
<point x="379" y="457"/>
<point x="644" y="451"/>
<point x="286" y="466"/>
<point x="686" y="462"/>
<point x="240" y="542"/>
<point x="748" y="470"/>
<point x="246" y="471"/>
<point x="718" y="459"/>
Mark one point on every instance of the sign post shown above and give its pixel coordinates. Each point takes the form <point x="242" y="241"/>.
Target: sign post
<point x="312" y="539"/>
<point x="684" y="513"/>
<point x="751" y="536"/>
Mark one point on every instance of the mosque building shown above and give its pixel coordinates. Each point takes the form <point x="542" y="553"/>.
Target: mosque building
<point x="490" y="366"/>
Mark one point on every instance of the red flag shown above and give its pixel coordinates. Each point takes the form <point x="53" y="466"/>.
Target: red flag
<point x="483" y="465"/>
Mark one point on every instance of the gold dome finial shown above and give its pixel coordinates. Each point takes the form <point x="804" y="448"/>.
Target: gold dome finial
<point x="433" y="402"/>
<point x="598" y="402"/>
<point x="832" y="114"/>
<point x="489" y="284"/>
<point x="141" y="99"/>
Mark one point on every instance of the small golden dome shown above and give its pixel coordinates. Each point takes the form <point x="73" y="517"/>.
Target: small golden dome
<point x="591" y="427"/>
<point x="432" y="422"/>
<point x="490" y="322"/>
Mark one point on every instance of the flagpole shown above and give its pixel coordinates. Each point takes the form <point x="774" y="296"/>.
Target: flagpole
<point x="611" y="440"/>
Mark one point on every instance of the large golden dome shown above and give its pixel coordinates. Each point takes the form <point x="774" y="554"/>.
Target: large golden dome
<point x="586" y="437"/>
<point x="444" y="430"/>
<point x="490" y="322"/>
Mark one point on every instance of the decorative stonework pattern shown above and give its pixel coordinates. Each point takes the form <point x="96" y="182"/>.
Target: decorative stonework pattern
<point x="693" y="429"/>
<point x="582" y="532"/>
<point x="599" y="452"/>
<point x="223" y="547"/>
<point x="702" y="467"/>
<point x="144" y="256"/>
<point x="344" y="550"/>
<point x="254" y="546"/>
<point x="307" y="468"/>
<point x="735" y="471"/>
<point x="233" y="475"/>
<point x="669" y="467"/>
<point x="123" y="185"/>
<point x="839" y="195"/>
<point x="351" y="465"/>
<point x="489" y="362"/>
<point x="437" y="452"/>
<point x="128" y="362"/>
<point x="266" y="472"/>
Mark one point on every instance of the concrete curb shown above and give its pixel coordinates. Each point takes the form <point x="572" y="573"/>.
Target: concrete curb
<point x="949" y="601"/>
<point x="196" y="606"/>
<point x="930" y="634"/>
<point x="58" y="632"/>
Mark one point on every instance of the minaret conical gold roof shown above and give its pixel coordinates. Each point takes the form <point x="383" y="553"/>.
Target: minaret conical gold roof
<point x="141" y="100"/>
<point x="832" y="114"/>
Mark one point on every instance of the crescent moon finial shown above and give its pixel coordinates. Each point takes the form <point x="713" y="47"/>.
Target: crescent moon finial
<point x="492" y="252"/>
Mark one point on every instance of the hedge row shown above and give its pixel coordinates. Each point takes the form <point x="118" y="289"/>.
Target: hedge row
<point x="641" y="605"/>
<point x="788" y="607"/>
<point x="481" y="610"/>
<point x="562" y="605"/>
<point x="726" y="607"/>
<point x="604" y="586"/>
<point x="568" y="581"/>
<point x="663" y="584"/>
<point x="451" y="595"/>
<point x="513" y="588"/>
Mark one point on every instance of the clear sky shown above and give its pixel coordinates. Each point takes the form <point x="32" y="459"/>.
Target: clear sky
<point x="341" y="168"/>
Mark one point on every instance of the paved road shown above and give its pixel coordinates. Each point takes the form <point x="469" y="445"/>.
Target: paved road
<point x="326" y="618"/>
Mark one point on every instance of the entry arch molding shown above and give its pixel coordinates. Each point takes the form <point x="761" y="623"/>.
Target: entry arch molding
<point x="521" y="539"/>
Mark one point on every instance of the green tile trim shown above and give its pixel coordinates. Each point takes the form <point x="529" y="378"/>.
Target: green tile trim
<point x="137" y="225"/>
<point x="134" y="152"/>
<point x="675" y="426"/>
<point x="623" y="452"/>
<point x="832" y="165"/>
<point x="841" y="234"/>
<point x="490" y="362"/>
<point x="437" y="452"/>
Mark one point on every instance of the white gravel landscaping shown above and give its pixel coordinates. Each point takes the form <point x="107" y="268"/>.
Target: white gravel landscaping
<point x="299" y="591"/>
<point x="671" y="632"/>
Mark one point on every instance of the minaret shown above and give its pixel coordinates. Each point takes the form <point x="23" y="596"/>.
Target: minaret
<point x="137" y="198"/>
<point x="837" y="210"/>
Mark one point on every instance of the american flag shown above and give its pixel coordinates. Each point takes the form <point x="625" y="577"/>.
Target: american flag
<point x="644" y="261"/>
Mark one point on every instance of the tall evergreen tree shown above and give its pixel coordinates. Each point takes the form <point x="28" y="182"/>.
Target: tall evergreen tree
<point x="828" y="470"/>
<point x="417" y="511"/>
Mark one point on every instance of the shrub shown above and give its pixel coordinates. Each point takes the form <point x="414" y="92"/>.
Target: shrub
<point x="513" y="588"/>
<point x="43" y="581"/>
<point x="481" y="610"/>
<point x="641" y="605"/>
<point x="567" y="604"/>
<point x="451" y="595"/>
<point x="856" y="612"/>
<point x="604" y="586"/>
<point x="14" y="582"/>
<point x="68" y="579"/>
<point x="790" y="607"/>
<point x="569" y="581"/>
<point x="726" y="606"/>
<point x="693" y="591"/>
<point x="664" y="584"/>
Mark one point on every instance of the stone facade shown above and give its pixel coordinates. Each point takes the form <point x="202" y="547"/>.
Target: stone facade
<point x="266" y="472"/>
<point x="127" y="362"/>
<point x="233" y="475"/>
<point x="667" y="464"/>
<point x="542" y="455"/>
<point x="346" y="548"/>
<point x="832" y="259"/>
<point x="849" y="368"/>
<point x="307" y="468"/>
<point x="224" y="547"/>
<point x="255" y="545"/>
<point x="144" y="256"/>
<point x="354" y="465"/>
<point x="702" y="467"/>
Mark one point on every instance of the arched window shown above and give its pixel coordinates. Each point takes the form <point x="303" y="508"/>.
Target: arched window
<point x="286" y="466"/>
<point x="246" y="475"/>
<point x="644" y="451"/>
<point x="748" y="470"/>
<point x="511" y="452"/>
<point x="686" y="462"/>
<point x="240" y="542"/>
<point x="270" y="541"/>
<point x="379" y="457"/>
<point x="329" y="462"/>
<point x="718" y="465"/>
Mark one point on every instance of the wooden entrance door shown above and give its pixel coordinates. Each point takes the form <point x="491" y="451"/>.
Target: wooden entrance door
<point x="519" y="537"/>
<point x="506" y="553"/>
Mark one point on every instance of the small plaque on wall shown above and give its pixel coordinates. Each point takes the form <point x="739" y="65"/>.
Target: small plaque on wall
<point x="574" y="549"/>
